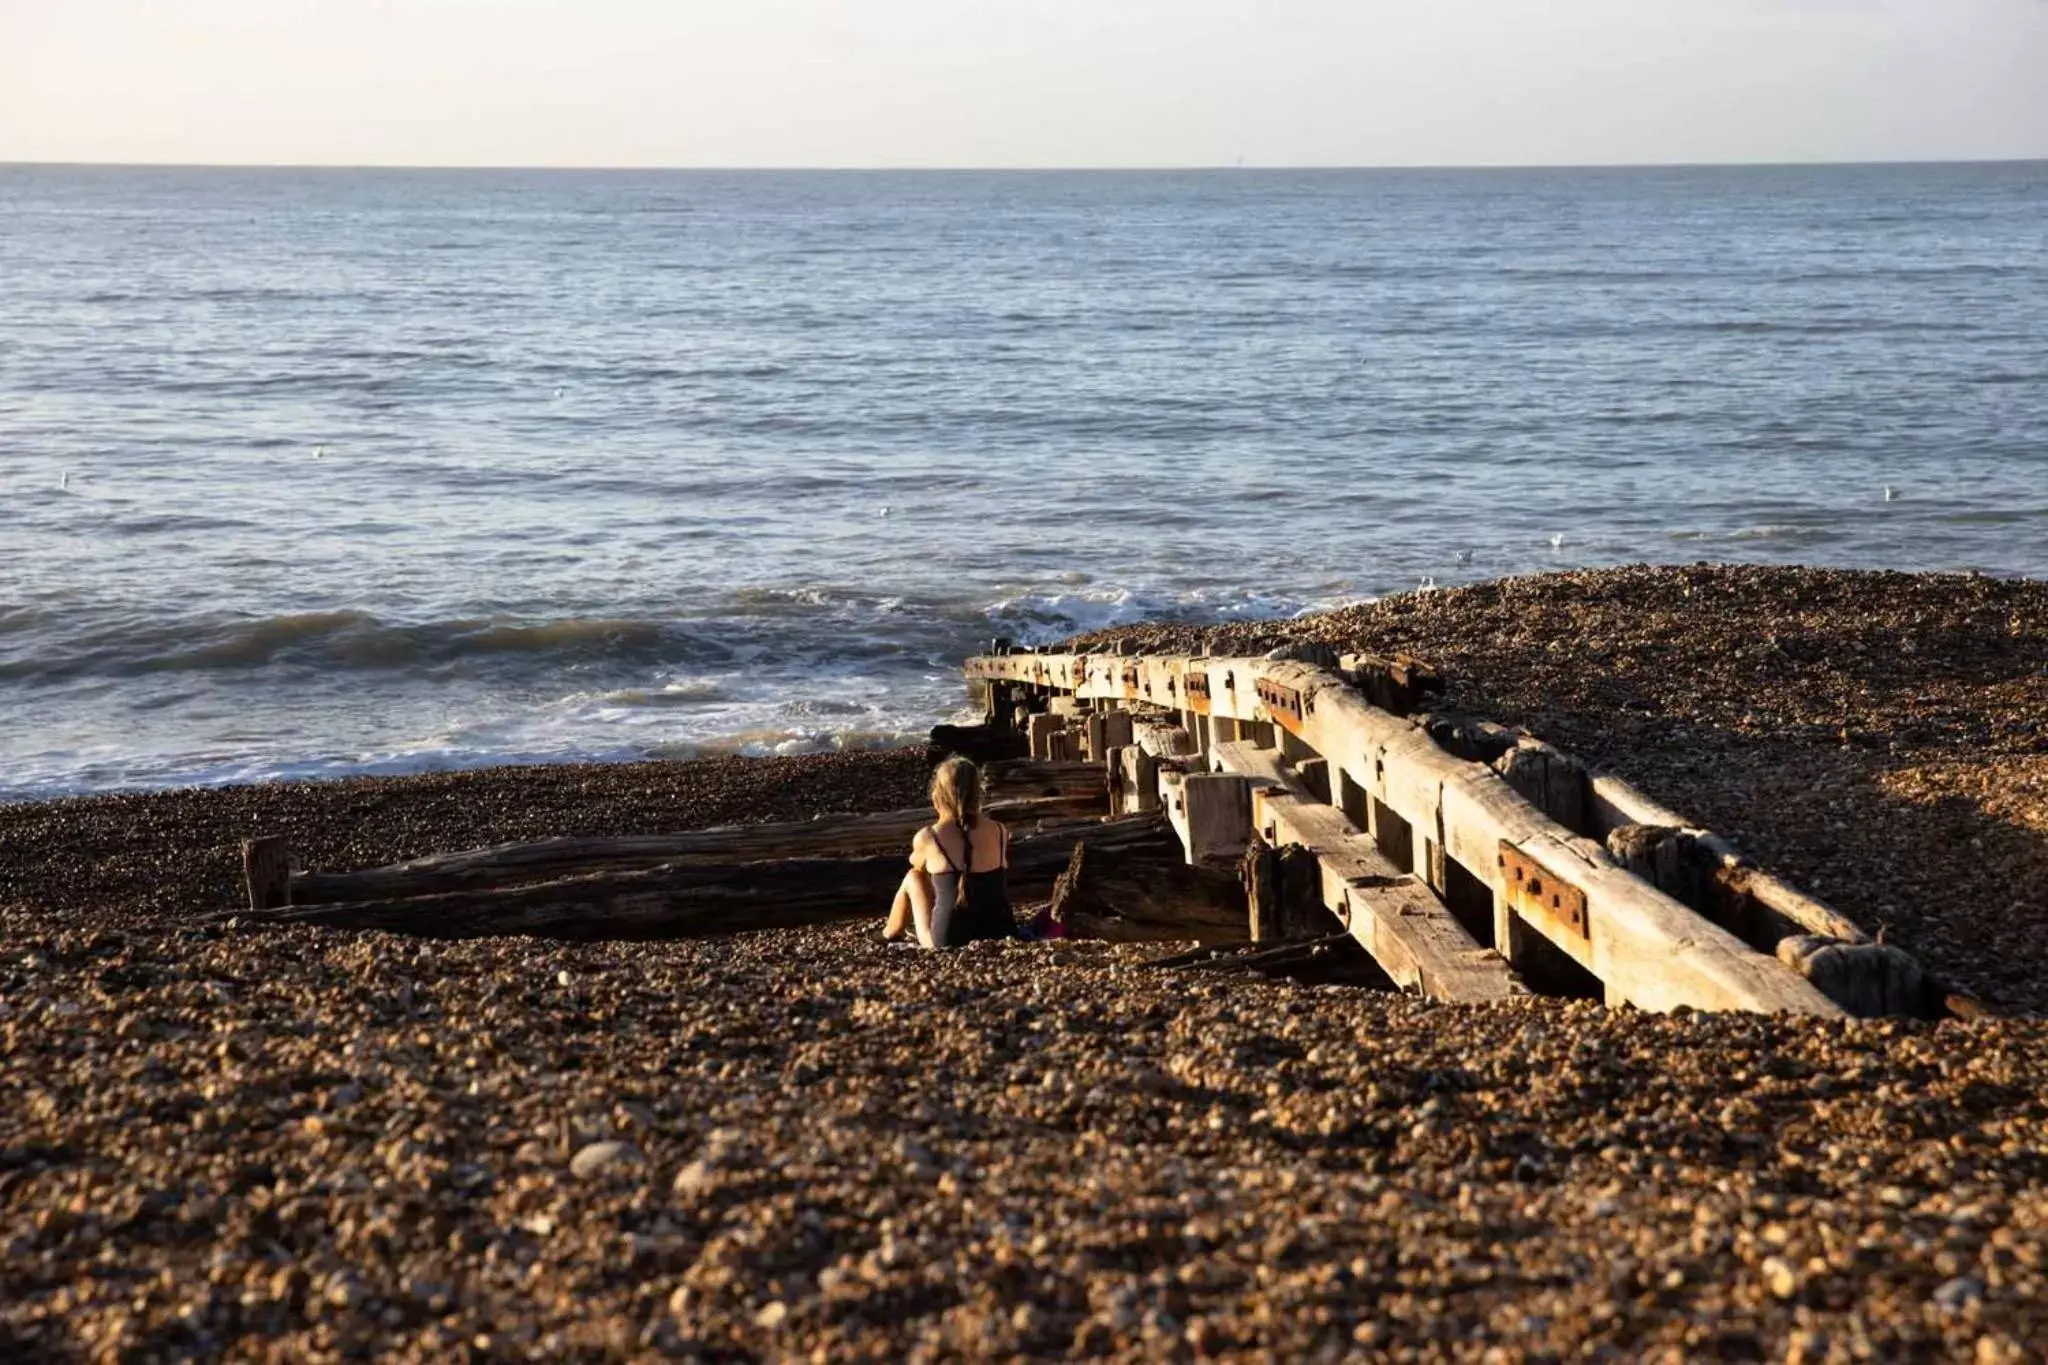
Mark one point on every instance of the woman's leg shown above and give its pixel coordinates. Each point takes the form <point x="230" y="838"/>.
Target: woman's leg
<point x="899" y="910"/>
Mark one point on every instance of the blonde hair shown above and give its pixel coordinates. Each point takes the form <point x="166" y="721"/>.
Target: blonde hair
<point x="956" y="791"/>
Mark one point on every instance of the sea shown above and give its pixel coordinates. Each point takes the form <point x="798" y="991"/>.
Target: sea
<point x="312" y="473"/>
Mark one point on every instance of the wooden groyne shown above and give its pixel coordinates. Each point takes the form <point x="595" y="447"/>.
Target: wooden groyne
<point x="1330" y="811"/>
<point x="1471" y="861"/>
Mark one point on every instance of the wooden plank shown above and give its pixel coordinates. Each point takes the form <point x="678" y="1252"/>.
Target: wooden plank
<point x="1248" y="760"/>
<point x="1393" y="916"/>
<point x="1615" y="804"/>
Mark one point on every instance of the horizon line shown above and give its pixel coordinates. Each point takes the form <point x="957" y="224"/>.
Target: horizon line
<point x="1016" y="168"/>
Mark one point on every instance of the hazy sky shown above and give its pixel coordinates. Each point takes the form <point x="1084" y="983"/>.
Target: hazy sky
<point x="1020" y="82"/>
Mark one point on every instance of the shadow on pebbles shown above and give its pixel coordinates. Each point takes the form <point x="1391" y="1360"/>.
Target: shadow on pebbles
<point x="299" y="1145"/>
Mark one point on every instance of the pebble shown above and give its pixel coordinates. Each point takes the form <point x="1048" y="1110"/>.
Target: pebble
<point x="1260" y="1206"/>
<point x="600" y="1157"/>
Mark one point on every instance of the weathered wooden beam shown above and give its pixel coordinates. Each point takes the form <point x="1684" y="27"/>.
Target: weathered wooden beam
<point x="1259" y="766"/>
<point x="1396" y="918"/>
<point x="687" y="900"/>
<point x="554" y="859"/>
<point x="1031" y="780"/>
<point x="1614" y="804"/>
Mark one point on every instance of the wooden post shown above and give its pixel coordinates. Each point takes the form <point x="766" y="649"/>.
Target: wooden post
<point x="1163" y="741"/>
<point x="1292" y="750"/>
<point x="1315" y="775"/>
<point x="1140" y="779"/>
<point x="1283" y="893"/>
<point x="1219" y="815"/>
<point x="1096" y="731"/>
<point x="267" y="871"/>
<point x="1260" y="872"/>
<point x="1041" y="729"/>
<point x="1118" y="729"/>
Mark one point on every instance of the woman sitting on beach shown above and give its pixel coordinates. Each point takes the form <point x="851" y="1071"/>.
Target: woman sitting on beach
<point x="957" y="889"/>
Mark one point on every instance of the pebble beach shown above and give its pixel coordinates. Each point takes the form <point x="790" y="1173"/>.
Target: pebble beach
<point x="300" y="1144"/>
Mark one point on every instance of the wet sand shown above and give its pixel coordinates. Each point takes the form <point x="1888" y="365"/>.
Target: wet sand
<point x="301" y="1144"/>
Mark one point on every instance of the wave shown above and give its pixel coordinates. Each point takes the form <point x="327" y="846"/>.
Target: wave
<point x="329" y="641"/>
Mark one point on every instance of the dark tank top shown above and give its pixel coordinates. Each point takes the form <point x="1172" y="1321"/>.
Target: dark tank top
<point x="981" y="901"/>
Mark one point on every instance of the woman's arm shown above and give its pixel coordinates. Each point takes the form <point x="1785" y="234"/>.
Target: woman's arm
<point x="919" y="885"/>
<point x="903" y="910"/>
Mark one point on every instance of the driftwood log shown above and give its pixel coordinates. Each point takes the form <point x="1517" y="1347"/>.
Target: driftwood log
<point x="1143" y="892"/>
<point x="693" y="900"/>
<point x="1026" y="780"/>
<point x="1027" y="793"/>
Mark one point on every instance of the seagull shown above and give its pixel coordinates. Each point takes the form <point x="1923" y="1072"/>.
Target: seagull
<point x="885" y="509"/>
<point x="559" y="392"/>
<point x="1557" y="541"/>
<point x="319" y="451"/>
<point x="1463" y="556"/>
<point x="1890" y="494"/>
<point x="64" y="481"/>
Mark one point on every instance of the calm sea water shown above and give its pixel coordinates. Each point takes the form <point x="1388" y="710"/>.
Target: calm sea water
<point x="312" y="473"/>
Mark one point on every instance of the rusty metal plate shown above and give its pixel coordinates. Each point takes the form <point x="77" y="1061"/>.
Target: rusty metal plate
<point x="1197" y="688"/>
<point x="1538" y="893"/>
<point x="1283" y="704"/>
<point x="1080" y="671"/>
<point x="1130" y="679"/>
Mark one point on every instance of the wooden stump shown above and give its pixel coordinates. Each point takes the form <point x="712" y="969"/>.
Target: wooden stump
<point x="267" y="872"/>
<point x="1039" y="731"/>
<point x="1283" y="893"/>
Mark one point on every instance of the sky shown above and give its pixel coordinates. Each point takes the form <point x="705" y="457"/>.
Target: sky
<point x="860" y="83"/>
